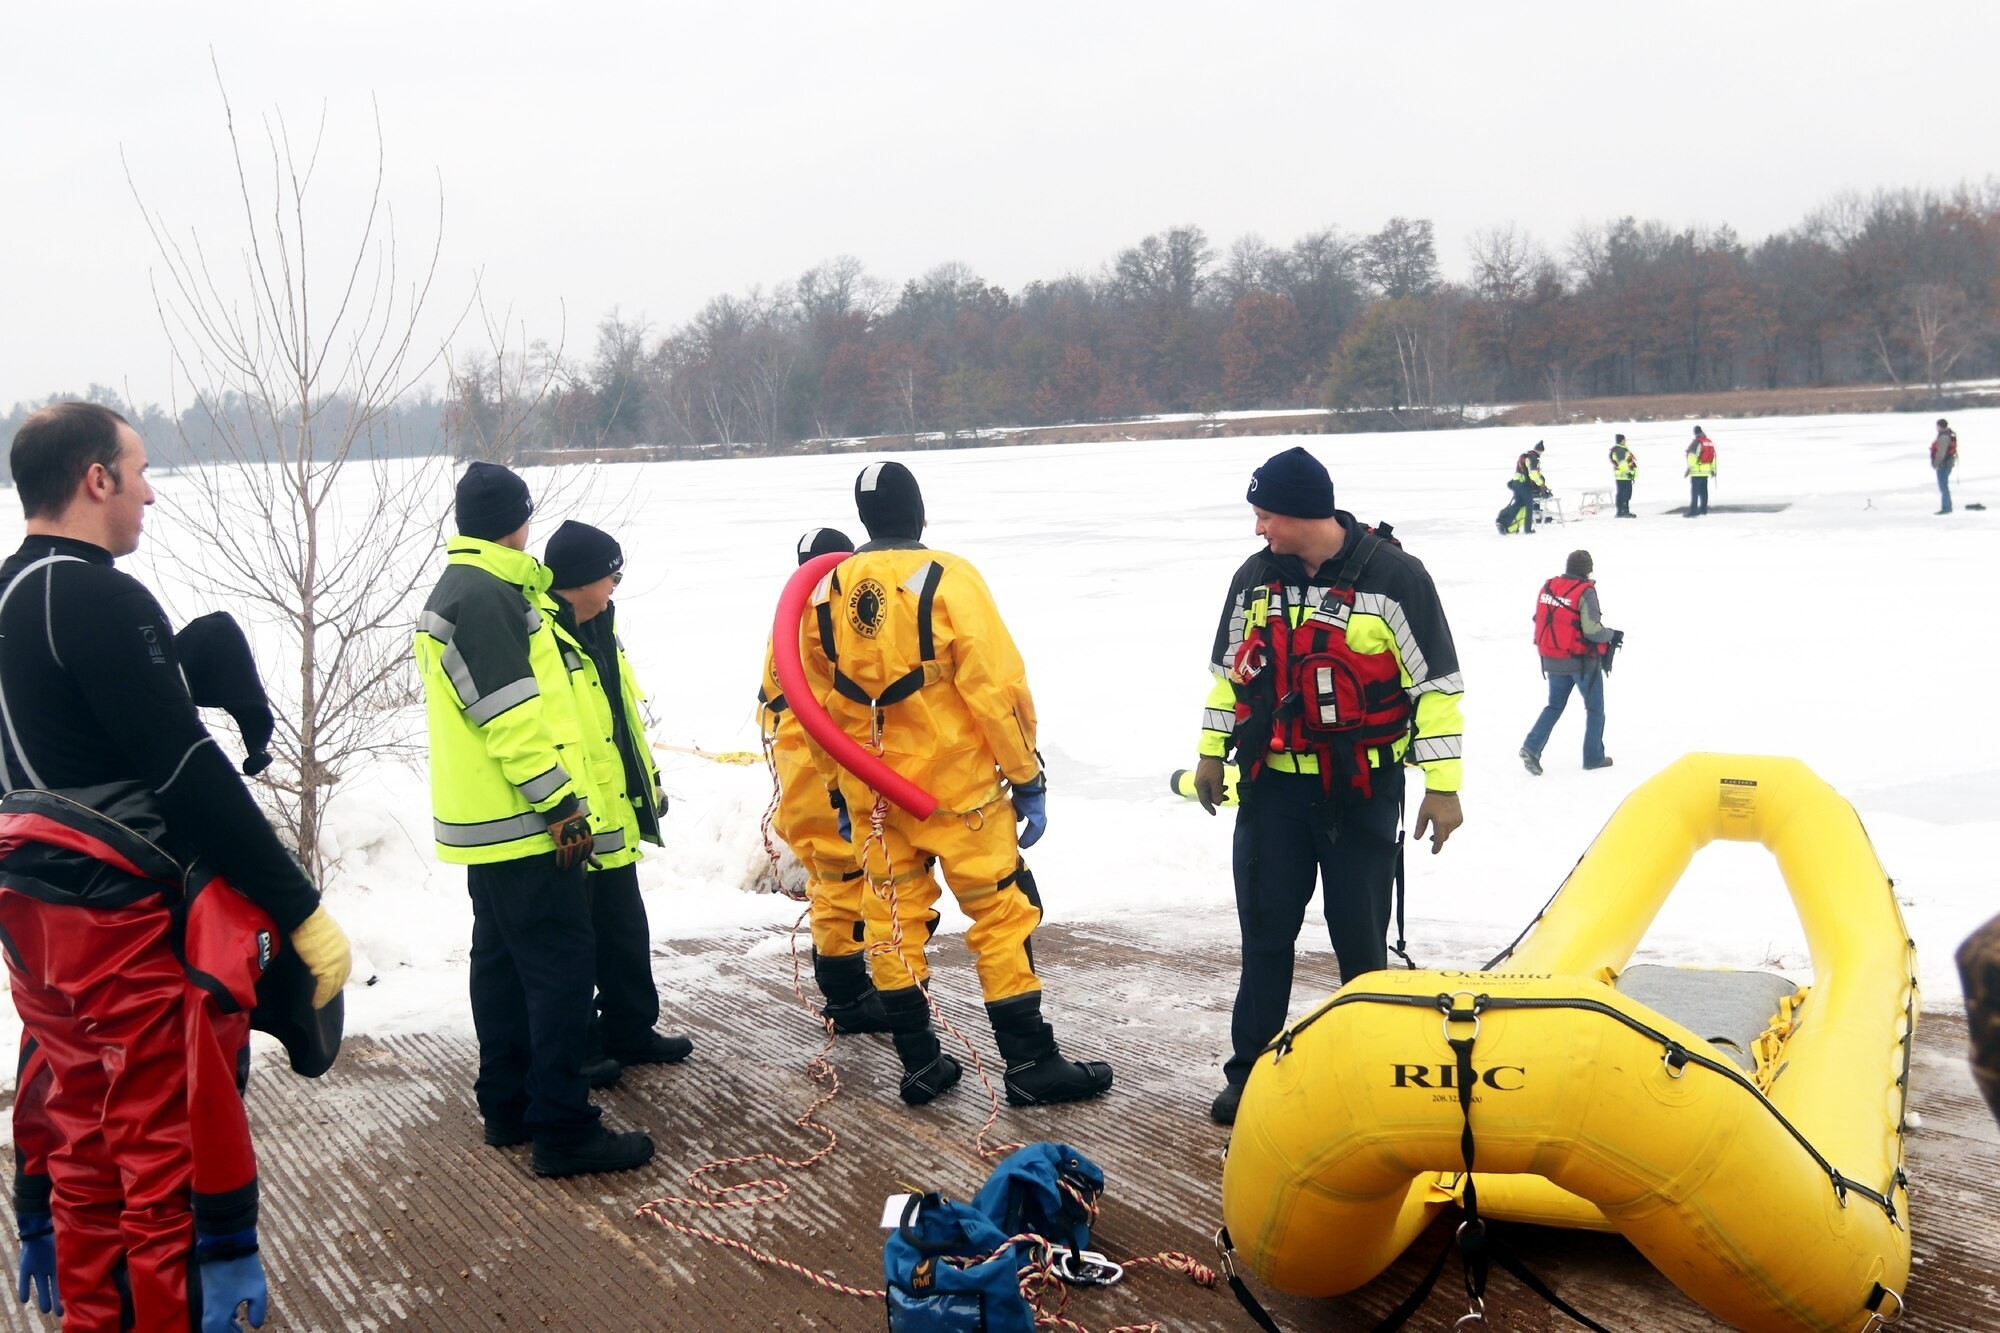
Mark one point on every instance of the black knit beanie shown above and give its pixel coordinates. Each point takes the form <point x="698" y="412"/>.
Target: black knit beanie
<point x="823" y="541"/>
<point x="492" y="502"/>
<point x="1579" y="565"/>
<point x="889" y="501"/>
<point x="1293" y="483"/>
<point x="579" y="555"/>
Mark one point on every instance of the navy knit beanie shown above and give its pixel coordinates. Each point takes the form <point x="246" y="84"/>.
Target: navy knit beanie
<point x="492" y="502"/>
<point x="1293" y="483"/>
<point x="889" y="501"/>
<point x="823" y="541"/>
<point x="579" y="555"/>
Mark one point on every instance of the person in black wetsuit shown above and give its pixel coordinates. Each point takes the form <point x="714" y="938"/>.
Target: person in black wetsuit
<point x="93" y="706"/>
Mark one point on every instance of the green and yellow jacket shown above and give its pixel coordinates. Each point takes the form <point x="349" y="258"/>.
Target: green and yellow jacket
<point x="507" y="736"/>
<point x="621" y="762"/>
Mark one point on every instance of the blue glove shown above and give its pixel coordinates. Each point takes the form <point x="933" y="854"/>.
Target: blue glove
<point x="38" y="1261"/>
<point x="1031" y="802"/>
<point x="231" y="1274"/>
<point x="839" y="804"/>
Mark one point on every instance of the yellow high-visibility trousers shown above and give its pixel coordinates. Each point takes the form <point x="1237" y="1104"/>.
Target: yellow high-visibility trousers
<point x="981" y="863"/>
<point x="810" y="826"/>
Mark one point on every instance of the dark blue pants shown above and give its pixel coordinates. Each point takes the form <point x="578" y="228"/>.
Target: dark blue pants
<point x="1590" y="685"/>
<point x="1287" y="836"/>
<point x="1624" y="486"/>
<point x="532" y="960"/>
<point x="1524" y="503"/>
<point x="1697" y="496"/>
<point x="627" y="1003"/>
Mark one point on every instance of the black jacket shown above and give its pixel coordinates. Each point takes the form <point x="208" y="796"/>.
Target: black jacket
<point x="91" y="695"/>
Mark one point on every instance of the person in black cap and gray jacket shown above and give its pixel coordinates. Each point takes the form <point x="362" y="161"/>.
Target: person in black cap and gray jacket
<point x="1334" y="668"/>
<point x="586" y="565"/>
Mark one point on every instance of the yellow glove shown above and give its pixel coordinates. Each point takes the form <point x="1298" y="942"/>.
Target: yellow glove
<point x="322" y="947"/>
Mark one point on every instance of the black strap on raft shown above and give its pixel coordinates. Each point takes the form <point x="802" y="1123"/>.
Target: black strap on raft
<point x="1400" y="947"/>
<point x="1475" y="1247"/>
<point x="1241" y="1289"/>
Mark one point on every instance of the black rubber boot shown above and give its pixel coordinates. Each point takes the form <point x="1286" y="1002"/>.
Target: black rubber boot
<point x="1037" y="1073"/>
<point x="851" y="1001"/>
<point x="927" y="1070"/>
<point x="601" y="1150"/>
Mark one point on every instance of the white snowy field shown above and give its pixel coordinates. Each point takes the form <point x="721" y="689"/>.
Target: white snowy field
<point x="1847" y="630"/>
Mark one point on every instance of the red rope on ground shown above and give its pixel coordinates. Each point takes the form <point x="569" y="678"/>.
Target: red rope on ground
<point x="1037" y="1277"/>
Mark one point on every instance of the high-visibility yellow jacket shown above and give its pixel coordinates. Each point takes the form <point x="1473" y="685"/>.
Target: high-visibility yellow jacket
<point x="506" y="733"/>
<point x="1624" y="463"/>
<point x="628" y="797"/>
<point x="957" y="716"/>
<point x="1697" y="468"/>
<point x="1528" y="469"/>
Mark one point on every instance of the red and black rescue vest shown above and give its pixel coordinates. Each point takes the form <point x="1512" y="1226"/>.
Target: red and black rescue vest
<point x="1559" y="618"/>
<point x="1304" y="690"/>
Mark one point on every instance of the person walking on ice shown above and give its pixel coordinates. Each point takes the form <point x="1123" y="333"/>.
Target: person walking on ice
<point x="1576" y="650"/>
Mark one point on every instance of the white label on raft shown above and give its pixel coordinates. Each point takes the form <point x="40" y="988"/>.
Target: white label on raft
<point x="1739" y="798"/>
<point x="892" y="1210"/>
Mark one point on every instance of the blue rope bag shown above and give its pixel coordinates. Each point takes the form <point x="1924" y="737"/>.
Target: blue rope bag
<point x="956" y="1267"/>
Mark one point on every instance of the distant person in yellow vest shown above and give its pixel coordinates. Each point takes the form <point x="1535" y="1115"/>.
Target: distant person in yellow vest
<point x="1624" y="471"/>
<point x="1527" y="485"/>
<point x="1944" y="457"/>
<point x="1700" y="467"/>
<point x="907" y="652"/>
<point x="808" y="822"/>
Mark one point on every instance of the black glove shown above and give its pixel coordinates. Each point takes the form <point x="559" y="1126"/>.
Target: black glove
<point x="220" y="672"/>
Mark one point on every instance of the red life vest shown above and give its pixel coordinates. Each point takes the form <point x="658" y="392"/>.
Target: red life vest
<point x="1706" y="453"/>
<point x="1304" y="689"/>
<point x="1559" y="619"/>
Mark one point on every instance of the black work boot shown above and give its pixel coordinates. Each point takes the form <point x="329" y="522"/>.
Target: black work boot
<point x="851" y="1001"/>
<point x="927" y="1070"/>
<point x="600" y="1150"/>
<point x="1037" y="1073"/>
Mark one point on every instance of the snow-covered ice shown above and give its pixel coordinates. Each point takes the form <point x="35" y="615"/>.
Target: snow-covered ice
<point x="1849" y="630"/>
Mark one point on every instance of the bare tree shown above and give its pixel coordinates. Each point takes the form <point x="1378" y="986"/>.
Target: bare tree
<point x="1938" y="321"/>
<point x="299" y="517"/>
<point x="498" y="394"/>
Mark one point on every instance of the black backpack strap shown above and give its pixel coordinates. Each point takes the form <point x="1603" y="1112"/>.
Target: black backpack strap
<point x="1349" y="573"/>
<point x="825" y="612"/>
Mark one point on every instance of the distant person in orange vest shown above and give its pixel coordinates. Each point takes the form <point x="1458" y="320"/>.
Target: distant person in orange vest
<point x="1700" y="467"/>
<point x="1944" y="457"/>
<point x="1576" y="651"/>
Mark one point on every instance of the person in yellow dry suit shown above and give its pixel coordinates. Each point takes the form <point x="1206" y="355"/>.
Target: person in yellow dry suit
<point x="907" y="652"/>
<point x="808" y="822"/>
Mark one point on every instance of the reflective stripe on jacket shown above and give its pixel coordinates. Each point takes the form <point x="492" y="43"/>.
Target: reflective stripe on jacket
<point x="1701" y="458"/>
<point x="506" y="739"/>
<point x="1624" y="463"/>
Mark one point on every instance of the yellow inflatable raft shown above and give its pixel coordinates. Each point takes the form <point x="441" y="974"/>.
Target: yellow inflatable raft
<point x="1760" y="1168"/>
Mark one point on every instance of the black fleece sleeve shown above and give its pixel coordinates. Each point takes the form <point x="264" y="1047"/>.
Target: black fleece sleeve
<point x="121" y="654"/>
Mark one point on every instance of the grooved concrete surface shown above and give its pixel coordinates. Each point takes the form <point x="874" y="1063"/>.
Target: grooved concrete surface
<point x="383" y="1210"/>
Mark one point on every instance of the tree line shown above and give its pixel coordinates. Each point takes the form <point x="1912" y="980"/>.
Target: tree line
<point x="1901" y="286"/>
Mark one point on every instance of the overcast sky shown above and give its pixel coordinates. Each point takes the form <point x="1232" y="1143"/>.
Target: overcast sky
<point x="651" y="155"/>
